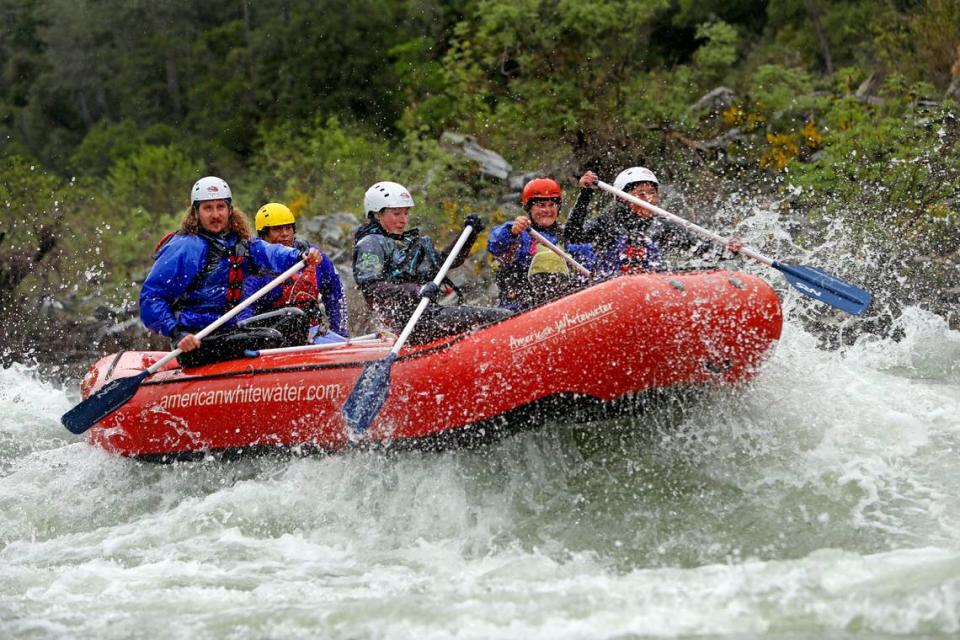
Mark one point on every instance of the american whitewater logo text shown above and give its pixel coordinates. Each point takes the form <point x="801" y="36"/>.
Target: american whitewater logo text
<point x="568" y="322"/>
<point x="253" y="394"/>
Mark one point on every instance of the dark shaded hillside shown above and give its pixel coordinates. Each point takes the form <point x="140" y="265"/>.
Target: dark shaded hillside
<point x="842" y="116"/>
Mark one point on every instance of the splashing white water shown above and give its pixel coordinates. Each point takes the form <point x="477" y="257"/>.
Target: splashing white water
<point x="821" y="499"/>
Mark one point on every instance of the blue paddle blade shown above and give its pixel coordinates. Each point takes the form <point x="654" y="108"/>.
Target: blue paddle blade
<point x="101" y="404"/>
<point x="826" y="288"/>
<point x="368" y="395"/>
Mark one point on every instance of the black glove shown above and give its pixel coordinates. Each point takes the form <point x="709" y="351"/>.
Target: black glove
<point x="430" y="291"/>
<point x="474" y="221"/>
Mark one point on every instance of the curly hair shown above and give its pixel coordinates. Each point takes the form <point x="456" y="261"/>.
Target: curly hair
<point x="237" y="223"/>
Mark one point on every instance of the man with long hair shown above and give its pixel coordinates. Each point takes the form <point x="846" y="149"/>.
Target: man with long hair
<point x="198" y="276"/>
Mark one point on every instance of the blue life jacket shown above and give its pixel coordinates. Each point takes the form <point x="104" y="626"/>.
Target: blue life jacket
<point x="620" y="255"/>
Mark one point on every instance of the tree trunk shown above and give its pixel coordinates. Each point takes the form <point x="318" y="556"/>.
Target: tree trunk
<point x="173" y="87"/>
<point x="248" y="34"/>
<point x="821" y="36"/>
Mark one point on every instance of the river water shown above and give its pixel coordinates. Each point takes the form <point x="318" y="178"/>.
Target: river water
<point x="821" y="500"/>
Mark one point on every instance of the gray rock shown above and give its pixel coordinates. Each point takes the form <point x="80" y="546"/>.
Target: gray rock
<point x="867" y="89"/>
<point x="332" y="232"/>
<point x="951" y="295"/>
<point x="517" y="181"/>
<point x="732" y="135"/>
<point x="953" y="91"/>
<point x="491" y="162"/>
<point x="715" y="101"/>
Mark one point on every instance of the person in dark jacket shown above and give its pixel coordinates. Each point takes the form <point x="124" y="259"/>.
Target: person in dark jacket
<point x="198" y="276"/>
<point x="521" y="283"/>
<point x="315" y="290"/>
<point x="394" y="268"/>
<point x="626" y="237"/>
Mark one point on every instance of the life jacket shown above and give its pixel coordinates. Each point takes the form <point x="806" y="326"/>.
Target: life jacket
<point x="546" y="261"/>
<point x="627" y="243"/>
<point x="237" y="256"/>
<point x="302" y="289"/>
<point x="513" y="272"/>
<point x="414" y="251"/>
<point x="633" y="259"/>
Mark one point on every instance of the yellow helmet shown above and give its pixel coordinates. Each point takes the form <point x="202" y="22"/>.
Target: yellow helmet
<point x="273" y="214"/>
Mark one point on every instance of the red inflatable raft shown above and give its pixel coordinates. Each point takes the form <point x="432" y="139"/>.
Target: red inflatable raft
<point x="598" y="347"/>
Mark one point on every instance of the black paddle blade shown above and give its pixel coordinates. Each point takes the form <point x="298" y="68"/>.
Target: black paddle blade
<point x="826" y="288"/>
<point x="368" y="395"/>
<point x="105" y="401"/>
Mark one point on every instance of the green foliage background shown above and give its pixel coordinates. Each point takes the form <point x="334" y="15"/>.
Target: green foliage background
<point x="110" y="109"/>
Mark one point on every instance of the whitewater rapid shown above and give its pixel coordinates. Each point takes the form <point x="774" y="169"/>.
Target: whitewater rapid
<point x="821" y="500"/>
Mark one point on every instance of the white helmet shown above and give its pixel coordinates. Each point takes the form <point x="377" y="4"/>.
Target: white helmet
<point x="386" y="194"/>
<point x="634" y="174"/>
<point x="210" y="188"/>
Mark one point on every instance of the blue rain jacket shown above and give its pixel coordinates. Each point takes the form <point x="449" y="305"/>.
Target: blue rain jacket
<point x="328" y="284"/>
<point x="170" y="300"/>
<point x="501" y="240"/>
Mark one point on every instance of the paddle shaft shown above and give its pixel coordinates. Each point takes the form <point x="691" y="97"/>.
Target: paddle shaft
<point x="810" y="281"/>
<point x="229" y="315"/>
<point x="424" y="301"/>
<point x="560" y="252"/>
<point x="368" y="338"/>
<point x="117" y="392"/>
<point x="686" y="224"/>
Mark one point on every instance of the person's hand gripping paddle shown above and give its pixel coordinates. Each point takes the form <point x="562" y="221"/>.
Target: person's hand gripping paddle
<point x="807" y="280"/>
<point x="373" y="385"/>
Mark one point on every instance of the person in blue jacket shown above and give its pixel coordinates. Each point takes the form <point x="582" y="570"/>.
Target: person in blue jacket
<point x="529" y="273"/>
<point x="627" y="238"/>
<point x="198" y="276"/>
<point x="315" y="290"/>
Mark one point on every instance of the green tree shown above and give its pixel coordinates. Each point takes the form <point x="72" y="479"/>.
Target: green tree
<point x="716" y="56"/>
<point x="546" y="79"/>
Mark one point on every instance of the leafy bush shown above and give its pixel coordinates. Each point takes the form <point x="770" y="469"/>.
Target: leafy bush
<point x="326" y="166"/>
<point x="715" y="57"/>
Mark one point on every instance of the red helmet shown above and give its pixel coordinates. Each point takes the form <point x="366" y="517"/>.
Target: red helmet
<point x="541" y="188"/>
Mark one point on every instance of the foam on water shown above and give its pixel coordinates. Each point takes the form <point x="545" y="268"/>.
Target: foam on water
<point x="820" y="499"/>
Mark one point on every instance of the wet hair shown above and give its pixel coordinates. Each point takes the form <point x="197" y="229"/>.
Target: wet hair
<point x="236" y="223"/>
